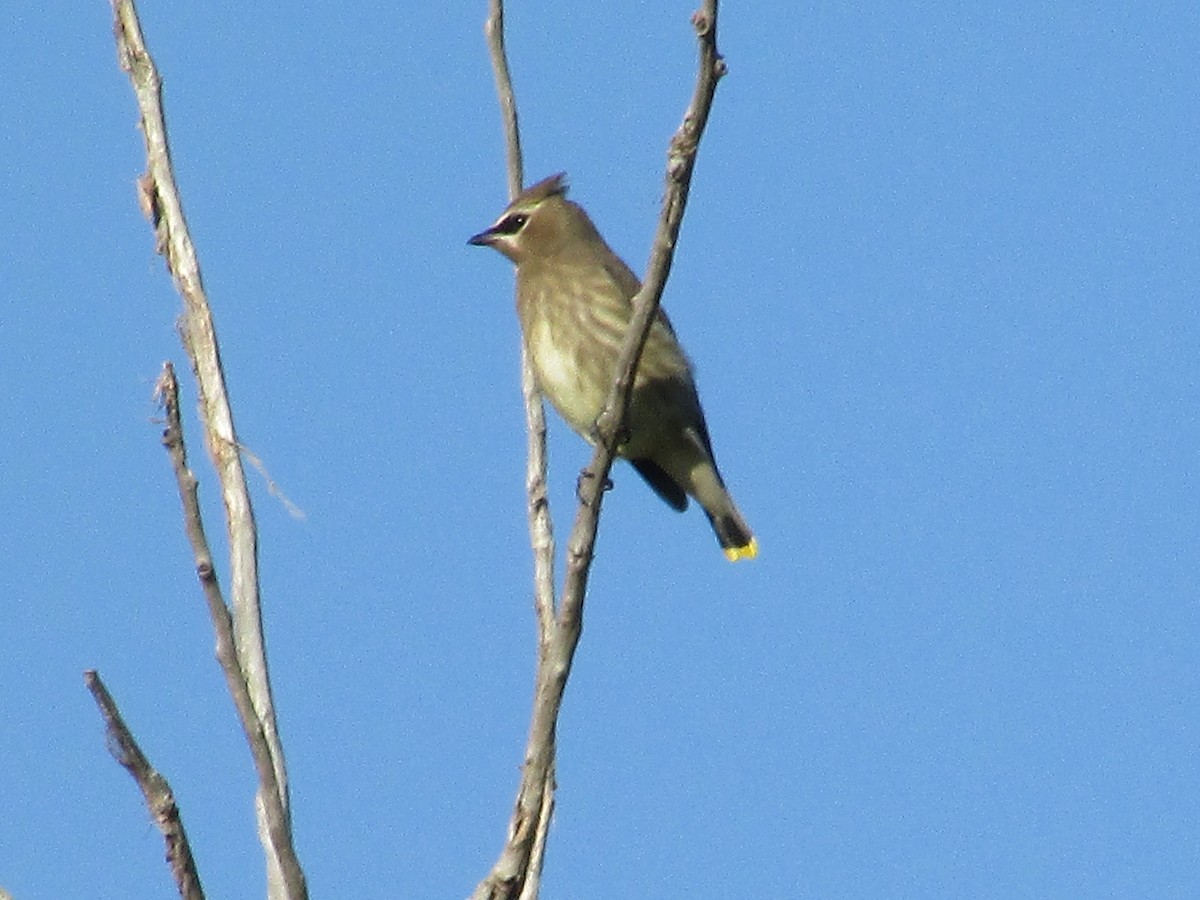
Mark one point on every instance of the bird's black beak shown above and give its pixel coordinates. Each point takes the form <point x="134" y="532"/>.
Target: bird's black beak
<point x="483" y="239"/>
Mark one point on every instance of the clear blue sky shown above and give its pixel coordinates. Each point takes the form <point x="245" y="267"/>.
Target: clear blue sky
<point x="939" y="278"/>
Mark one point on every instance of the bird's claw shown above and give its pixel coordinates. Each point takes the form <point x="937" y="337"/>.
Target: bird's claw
<point x="584" y="476"/>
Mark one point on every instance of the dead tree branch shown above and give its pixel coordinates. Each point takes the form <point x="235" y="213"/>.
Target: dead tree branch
<point x="160" y="201"/>
<point x="159" y="798"/>
<point x="517" y="872"/>
<point x="541" y="529"/>
<point x="167" y="390"/>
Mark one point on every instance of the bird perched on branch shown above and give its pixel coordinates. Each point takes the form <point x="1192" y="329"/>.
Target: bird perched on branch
<point x="574" y="301"/>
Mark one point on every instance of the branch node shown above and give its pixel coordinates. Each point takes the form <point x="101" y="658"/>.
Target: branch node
<point x="205" y="571"/>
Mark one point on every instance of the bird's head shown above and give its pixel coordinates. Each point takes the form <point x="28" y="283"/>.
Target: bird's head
<point x="539" y="224"/>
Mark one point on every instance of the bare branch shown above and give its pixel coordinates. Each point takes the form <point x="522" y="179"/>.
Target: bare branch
<point x="681" y="159"/>
<point x="159" y="199"/>
<point x="537" y="854"/>
<point x="155" y="789"/>
<point x="493" y="28"/>
<point x="518" y="869"/>
<point x="167" y="391"/>
<point x="541" y="528"/>
<point x="517" y="873"/>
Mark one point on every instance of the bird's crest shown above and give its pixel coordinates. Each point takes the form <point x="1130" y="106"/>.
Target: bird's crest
<point x="554" y="186"/>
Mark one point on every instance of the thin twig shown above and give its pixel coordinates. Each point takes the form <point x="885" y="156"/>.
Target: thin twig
<point x="159" y="198"/>
<point x="493" y="28"/>
<point x="541" y="528"/>
<point x="517" y="872"/>
<point x="272" y="487"/>
<point x="167" y="392"/>
<point x="157" y="792"/>
<point x="681" y="159"/>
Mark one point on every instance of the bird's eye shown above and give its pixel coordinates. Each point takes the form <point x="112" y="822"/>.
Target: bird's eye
<point x="512" y="224"/>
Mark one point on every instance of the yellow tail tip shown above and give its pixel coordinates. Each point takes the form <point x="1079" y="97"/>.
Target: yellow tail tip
<point x="749" y="551"/>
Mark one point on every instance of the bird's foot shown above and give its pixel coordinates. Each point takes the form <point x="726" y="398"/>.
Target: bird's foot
<point x="585" y="475"/>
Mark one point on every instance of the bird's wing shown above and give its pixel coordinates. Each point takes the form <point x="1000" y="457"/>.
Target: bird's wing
<point x="662" y="483"/>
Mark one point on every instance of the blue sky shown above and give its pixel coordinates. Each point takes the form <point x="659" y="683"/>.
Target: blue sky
<point x="938" y="277"/>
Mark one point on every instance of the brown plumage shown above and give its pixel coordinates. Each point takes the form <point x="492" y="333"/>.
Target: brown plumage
<point x="573" y="300"/>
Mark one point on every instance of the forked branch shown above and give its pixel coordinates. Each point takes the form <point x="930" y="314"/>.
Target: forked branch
<point x="517" y="872"/>
<point x="240" y="644"/>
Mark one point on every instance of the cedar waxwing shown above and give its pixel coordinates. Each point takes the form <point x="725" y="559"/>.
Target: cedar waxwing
<point x="573" y="300"/>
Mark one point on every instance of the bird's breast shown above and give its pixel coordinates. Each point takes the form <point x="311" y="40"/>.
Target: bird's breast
<point x="562" y="369"/>
<point x="574" y="321"/>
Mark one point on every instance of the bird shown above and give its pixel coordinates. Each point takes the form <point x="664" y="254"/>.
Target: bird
<point x="574" y="302"/>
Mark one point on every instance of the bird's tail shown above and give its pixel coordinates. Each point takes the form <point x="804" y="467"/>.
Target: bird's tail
<point x="732" y="531"/>
<point x="691" y="469"/>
